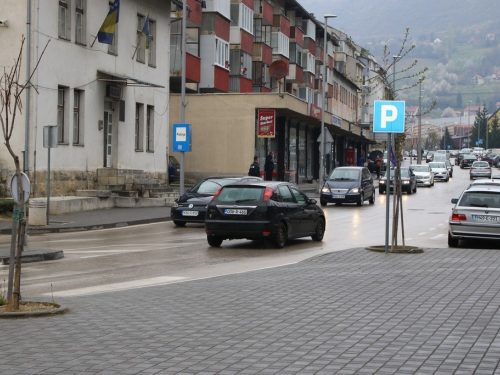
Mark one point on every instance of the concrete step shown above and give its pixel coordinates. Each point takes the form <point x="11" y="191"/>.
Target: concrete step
<point x="94" y="193"/>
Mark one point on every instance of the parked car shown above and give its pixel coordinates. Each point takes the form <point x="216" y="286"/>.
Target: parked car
<point x="408" y="181"/>
<point x="174" y="169"/>
<point x="467" y="161"/>
<point x="429" y="157"/>
<point x="424" y="174"/>
<point x="191" y="206"/>
<point x="449" y="166"/>
<point x="480" y="169"/>
<point x="492" y="159"/>
<point x="273" y="210"/>
<point x="476" y="215"/>
<point x="348" y="185"/>
<point x="440" y="171"/>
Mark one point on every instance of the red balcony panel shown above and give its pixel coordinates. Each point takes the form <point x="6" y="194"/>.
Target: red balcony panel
<point x="265" y="89"/>
<point x="249" y="3"/>
<point x="311" y="46"/>
<point x="221" y="79"/>
<point x="330" y="62"/>
<point x="282" y="23"/>
<point x="245" y="85"/>
<point x="246" y="42"/>
<point x="267" y="54"/>
<point x="267" y="12"/>
<point x="192" y="68"/>
<point x="295" y="73"/>
<point x="298" y="35"/>
<point x="330" y="91"/>
<point x="195" y="14"/>
<point x="222" y="27"/>
<point x="321" y="54"/>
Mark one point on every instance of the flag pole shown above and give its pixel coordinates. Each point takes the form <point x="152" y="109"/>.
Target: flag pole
<point x="93" y="42"/>
<point x="137" y="46"/>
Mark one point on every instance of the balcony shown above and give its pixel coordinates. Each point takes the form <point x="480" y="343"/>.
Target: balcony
<point x="262" y="52"/>
<point x="264" y="12"/>
<point x="281" y="24"/>
<point x="295" y="74"/>
<point x="297" y="35"/>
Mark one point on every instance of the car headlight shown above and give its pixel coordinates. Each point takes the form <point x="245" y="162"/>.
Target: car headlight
<point x="325" y="190"/>
<point x="406" y="182"/>
<point x="382" y="182"/>
<point x="354" y="190"/>
<point x="175" y="205"/>
<point x="427" y="176"/>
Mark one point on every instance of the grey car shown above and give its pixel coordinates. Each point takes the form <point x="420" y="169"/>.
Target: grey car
<point x="476" y="215"/>
<point x="480" y="169"/>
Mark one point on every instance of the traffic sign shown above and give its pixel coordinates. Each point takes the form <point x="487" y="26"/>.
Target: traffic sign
<point x="181" y="137"/>
<point x="389" y="116"/>
<point x="26" y="188"/>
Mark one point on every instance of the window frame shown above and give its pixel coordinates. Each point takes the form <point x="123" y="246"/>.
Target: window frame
<point x="139" y="127"/>
<point x="221" y="52"/>
<point x="78" y="97"/>
<point x="64" y="21"/>
<point x="62" y="121"/>
<point x="140" y="55"/>
<point x="113" y="47"/>
<point x="152" y="44"/>
<point x="150" y="128"/>
<point x="81" y="13"/>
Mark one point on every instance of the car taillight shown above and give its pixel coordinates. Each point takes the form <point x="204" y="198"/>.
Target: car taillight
<point x="217" y="193"/>
<point x="268" y="194"/>
<point x="458" y="217"/>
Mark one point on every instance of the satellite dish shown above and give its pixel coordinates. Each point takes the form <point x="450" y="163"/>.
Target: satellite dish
<point x="278" y="69"/>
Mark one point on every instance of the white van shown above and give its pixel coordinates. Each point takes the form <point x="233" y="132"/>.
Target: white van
<point x="478" y="151"/>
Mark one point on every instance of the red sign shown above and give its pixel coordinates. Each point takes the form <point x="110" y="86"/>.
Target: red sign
<point x="266" y="123"/>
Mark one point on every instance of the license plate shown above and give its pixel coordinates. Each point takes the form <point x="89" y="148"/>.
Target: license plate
<point x="338" y="196"/>
<point x="232" y="211"/>
<point x="485" y="218"/>
<point x="189" y="213"/>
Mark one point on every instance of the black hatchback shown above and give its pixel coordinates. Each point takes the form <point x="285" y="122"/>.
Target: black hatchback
<point x="272" y="210"/>
<point x="191" y="206"/>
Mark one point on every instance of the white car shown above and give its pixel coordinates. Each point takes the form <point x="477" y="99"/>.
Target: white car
<point x="440" y="171"/>
<point x="424" y="174"/>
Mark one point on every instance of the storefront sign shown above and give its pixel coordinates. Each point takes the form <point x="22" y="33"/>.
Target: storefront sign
<point x="266" y="123"/>
<point x="315" y="111"/>
<point x="337" y="121"/>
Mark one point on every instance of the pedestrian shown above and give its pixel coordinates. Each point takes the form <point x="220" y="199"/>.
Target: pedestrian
<point x="361" y="161"/>
<point x="378" y="164"/>
<point x="269" y="166"/>
<point x="254" y="167"/>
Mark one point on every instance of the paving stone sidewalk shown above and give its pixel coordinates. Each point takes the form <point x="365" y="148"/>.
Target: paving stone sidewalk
<point x="348" y="312"/>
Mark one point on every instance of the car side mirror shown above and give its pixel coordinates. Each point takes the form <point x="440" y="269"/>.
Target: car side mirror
<point x="313" y="201"/>
<point x="454" y="200"/>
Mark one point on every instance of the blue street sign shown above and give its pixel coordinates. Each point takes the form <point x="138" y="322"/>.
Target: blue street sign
<point x="389" y="116"/>
<point x="181" y="137"/>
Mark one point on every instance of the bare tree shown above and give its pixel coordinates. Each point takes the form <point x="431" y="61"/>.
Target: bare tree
<point x="11" y="89"/>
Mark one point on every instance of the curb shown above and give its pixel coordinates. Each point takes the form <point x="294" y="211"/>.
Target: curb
<point x="397" y="250"/>
<point x="31" y="314"/>
<point x="35" y="256"/>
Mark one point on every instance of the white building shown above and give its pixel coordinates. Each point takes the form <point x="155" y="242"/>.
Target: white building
<point x="110" y="102"/>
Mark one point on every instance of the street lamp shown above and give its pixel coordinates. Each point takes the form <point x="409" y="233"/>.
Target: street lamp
<point x="322" y="147"/>
<point x="419" y="144"/>
<point x="468" y="123"/>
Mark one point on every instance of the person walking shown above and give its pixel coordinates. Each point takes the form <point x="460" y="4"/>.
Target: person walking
<point x="269" y="166"/>
<point x="254" y="167"/>
<point x="378" y="164"/>
<point x="361" y="161"/>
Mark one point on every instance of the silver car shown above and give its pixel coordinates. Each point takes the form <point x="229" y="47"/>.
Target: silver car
<point x="424" y="174"/>
<point x="480" y="169"/>
<point x="476" y="215"/>
<point x="440" y="171"/>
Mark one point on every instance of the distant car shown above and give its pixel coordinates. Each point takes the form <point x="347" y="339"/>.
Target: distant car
<point x="408" y="181"/>
<point x="467" y="161"/>
<point x="444" y="152"/>
<point x="272" y="210"/>
<point x="476" y="215"/>
<point x="491" y="158"/>
<point x="424" y="174"/>
<point x="440" y="157"/>
<point x="440" y="171"/>
<point x="453" y="153"/>
<point x="478" y="151"/>
<point x="429" y="157"/>
<point x="480" y="169"/>
<point x="348" y="185"/>
<point x="174" y="169"/>
<point x="191" y="206"/>
<point x="449" y="166"/>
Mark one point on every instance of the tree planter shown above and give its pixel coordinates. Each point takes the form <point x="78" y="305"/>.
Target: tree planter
<point x="397" y="249"/>
<point x="57" y="309"/>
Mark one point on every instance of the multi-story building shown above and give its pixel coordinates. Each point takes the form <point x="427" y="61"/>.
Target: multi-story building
<point x="109" y="101"/>
<point x="254" y="84"/>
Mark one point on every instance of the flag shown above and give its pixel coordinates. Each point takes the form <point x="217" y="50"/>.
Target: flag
<point x="393" y="157"/>
<point x="107" y="31"/>
<point x="145" y="31"/>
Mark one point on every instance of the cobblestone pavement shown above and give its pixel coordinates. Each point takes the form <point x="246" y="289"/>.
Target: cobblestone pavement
<point x="348" y="312"/>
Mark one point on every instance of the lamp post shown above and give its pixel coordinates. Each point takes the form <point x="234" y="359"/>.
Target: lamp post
<point x="419" y="144"/>
<point x="468" y="123"/>
<point x="322" y="146"/>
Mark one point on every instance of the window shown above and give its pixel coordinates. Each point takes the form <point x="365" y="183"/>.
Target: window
<point x="221" y="52"/>
<point x="77" y="117"/>
<point x="296" y="53"/>
<point x="80" y="21"/>
<point x="240" y="64"/>
<point x="280" y="44"/>
<point x="192" y="41"/>
<point x="262" y="33"/>
<point x="310" y="62"/>
<point x="61" y="114"/>
<point x="113" y="47"/>
<point x="141" y="47"/>
<point x="150" y="129"/>
<point x="139" y="126"/>
<point x="152" y="44"/>
<point x="64" y="19"/>
<point x="260" y="74"/>
<point x="242" y="16"/>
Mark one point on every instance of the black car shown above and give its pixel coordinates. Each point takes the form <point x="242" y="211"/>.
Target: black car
<point x="467" y="161"/>
<point x="348" y="185"/>
<point x="272" y="210"/>
<point x="174" y="169"/>
<point x="408" y="181"/>
<point x="191" y="206"/>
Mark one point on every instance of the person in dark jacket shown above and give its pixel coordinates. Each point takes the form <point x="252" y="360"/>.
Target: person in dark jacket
<point x="269" y="166"/>
<point x="254" y="167"/>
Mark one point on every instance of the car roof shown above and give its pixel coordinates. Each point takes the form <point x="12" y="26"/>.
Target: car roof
<point x="486" y="181"/>
<point x="350" y="167"/>
<point x="228" y="177"/>
<point x="271" y="184"/>
<point x="484" y="188"/>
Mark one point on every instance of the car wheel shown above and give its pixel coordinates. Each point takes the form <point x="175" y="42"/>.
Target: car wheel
<point x="447" y="179"/>
<point x="280" y="236"/>
<point x="452" y="241"/>
<point x="381" y="191"/>
<point x="320" y="231"/>
<point x="179" y="223"/>
<point x="415" y="190"/>
<point x="372" y="199"/>
<point x="361" y="200"/>
<point x="323" y="202"/>
<point x="461" y="167"/>
<point x="432" y="183"/>
<point x="409" y="191"/>
<point x="214" y="241"/>
<point x="471" y="177"/>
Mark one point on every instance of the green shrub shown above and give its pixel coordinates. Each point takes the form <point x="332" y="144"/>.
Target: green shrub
<point x="7" y="206"/>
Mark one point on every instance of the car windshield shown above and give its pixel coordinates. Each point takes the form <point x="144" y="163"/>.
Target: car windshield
<point x="480" y="199"/>
<point x="420" y="168"/>
<point x="344" y="175"/>
<point x="437" y="165"/>
<point x="239" y="194"/>
<point x="210" y="186"/>
<point x="173" y="160"/>
<point x="480" y="164"/>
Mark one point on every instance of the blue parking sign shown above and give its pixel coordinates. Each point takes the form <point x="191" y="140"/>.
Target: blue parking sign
<point x="389" y="116"/>
<point x="181" y="137"/>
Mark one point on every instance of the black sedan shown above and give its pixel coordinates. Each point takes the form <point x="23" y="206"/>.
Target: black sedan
<point x="467" y="161"/>
<point x="191" y="206"/>
<point x="408" y="181"/>
<point x="348" y="185"/>
<point x="272" y="210"/>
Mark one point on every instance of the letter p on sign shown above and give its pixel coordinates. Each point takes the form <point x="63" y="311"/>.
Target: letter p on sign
<point x="389" y="116"/>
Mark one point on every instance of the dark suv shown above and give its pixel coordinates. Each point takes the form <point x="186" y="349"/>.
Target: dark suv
<point x="348" y="185"/>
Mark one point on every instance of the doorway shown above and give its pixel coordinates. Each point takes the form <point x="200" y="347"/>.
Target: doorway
<point x="108" y="133"/>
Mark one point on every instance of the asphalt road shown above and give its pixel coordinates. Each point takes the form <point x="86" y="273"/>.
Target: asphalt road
<point x="157" y="254"/>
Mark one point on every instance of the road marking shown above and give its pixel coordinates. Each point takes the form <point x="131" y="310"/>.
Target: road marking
<point x="135" y="284"/>
<point x="439" y="236"/>
<point x="432" y="228"/>
<point x="422" y="233"/>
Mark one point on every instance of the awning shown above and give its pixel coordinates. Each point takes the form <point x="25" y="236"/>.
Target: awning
<point x="124" y="80"/>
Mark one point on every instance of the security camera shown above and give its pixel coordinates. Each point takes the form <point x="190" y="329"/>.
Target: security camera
<point x="4" y="22"/>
